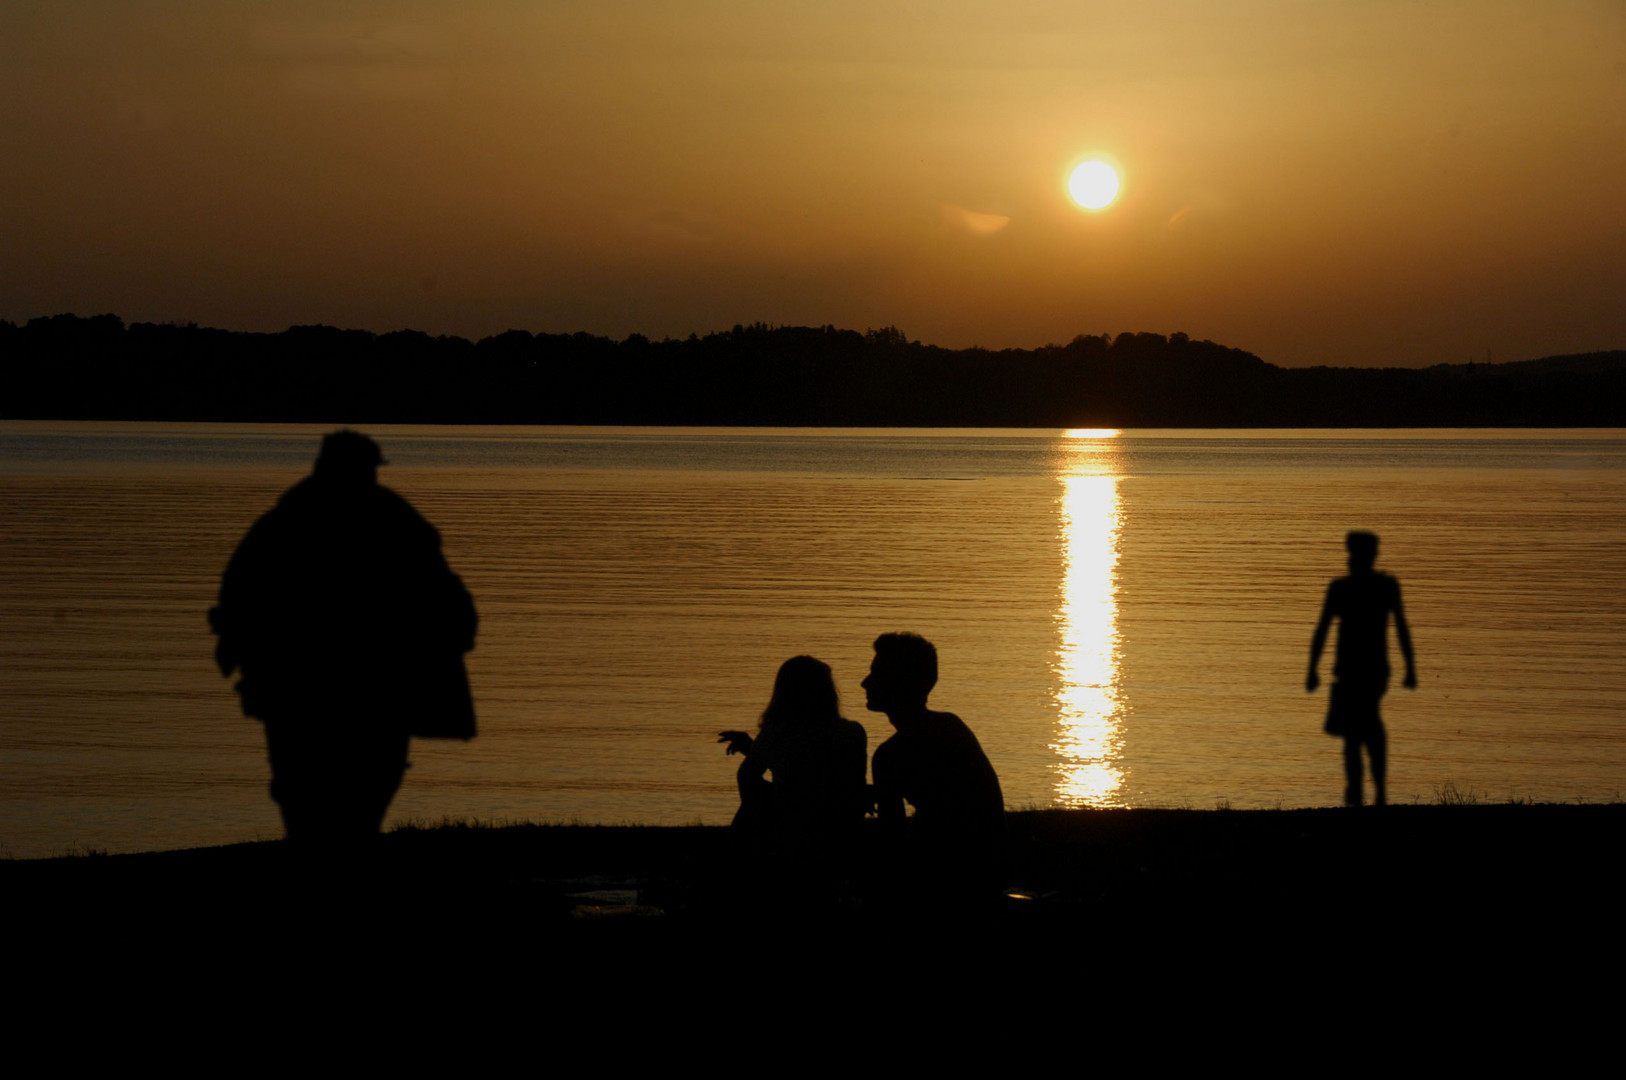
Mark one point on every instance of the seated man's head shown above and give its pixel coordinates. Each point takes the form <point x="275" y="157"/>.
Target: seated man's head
<point x="901" y="675"/>
<point x="1363" y="550"/>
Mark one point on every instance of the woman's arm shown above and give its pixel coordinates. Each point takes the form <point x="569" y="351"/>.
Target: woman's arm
<point x="738" y="741"/>
<point x="752" y="778"/>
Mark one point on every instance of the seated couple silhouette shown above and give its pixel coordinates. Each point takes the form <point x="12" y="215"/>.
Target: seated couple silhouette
<point x="806" y="819"/>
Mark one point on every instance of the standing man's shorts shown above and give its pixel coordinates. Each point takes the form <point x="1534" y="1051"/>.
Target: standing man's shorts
<point x="1352" y="709"/>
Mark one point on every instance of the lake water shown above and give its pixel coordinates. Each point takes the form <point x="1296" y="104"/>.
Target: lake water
<point x="1122" y="617"/>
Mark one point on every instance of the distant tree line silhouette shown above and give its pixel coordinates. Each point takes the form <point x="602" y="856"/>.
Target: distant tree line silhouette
<point x="67" y="367"/>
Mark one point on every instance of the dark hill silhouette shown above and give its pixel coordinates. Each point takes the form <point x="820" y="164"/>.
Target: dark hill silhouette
<point x="66" y="367"/>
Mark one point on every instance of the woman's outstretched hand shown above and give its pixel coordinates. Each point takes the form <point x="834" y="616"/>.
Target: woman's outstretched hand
<point x="738" y="741"/>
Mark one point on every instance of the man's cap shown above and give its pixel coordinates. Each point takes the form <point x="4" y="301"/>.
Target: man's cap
<point x="347" y="451"/>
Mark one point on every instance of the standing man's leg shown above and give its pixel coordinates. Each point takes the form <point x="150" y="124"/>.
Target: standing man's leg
<point x="296" y="780"/>
<point x="1377" y="745"/>
<point x="1352" y="769"/>
<point x="370" y="765"/>
<point x="333" y="779"/>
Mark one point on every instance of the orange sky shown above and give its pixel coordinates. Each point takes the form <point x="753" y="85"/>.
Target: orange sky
<point x="1333" y="182"/>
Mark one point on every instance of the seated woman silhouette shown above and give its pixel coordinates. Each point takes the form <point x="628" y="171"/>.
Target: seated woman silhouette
<point x="806" y="817"/>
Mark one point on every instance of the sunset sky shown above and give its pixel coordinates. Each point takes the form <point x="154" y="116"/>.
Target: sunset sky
<point x="1341" y="182"/>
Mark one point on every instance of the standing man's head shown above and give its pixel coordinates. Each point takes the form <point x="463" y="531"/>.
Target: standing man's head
<point x="1363" y="550"/>
<point x="349" y="457"/>
<point x="901" y="675"/>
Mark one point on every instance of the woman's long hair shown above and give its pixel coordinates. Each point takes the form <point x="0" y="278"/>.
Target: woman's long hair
<point x="804" y="694"/>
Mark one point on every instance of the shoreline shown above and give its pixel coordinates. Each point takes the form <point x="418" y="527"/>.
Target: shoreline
<point x="1068" y="862"/>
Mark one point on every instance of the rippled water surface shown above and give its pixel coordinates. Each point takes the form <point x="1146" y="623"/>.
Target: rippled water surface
<point x="1123" y="618"/>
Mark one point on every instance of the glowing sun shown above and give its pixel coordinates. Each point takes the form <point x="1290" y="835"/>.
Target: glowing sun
<point x="1093" y="185"/>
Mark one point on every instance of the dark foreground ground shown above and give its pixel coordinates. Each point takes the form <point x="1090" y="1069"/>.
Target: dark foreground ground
<point x="1430" y="938"/>
<point x="1311" y="930"/>
<point x="1207" y="908"/>
<point x="1512" y="870"/>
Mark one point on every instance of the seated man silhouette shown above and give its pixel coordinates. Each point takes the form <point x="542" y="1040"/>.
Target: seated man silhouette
<point x="955" y="840"/>
<point x="1362" y="603"/>
<point x="350" y="630"/>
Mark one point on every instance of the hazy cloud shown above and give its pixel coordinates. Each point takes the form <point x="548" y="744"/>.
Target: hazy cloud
<point x="668" y="225"/>
<point x="974" y="222"/>
<point x="391" y="61"/>
<point x="366" y="81"/>
<point x="142" y="116"/>
<point x="348" y="41"/>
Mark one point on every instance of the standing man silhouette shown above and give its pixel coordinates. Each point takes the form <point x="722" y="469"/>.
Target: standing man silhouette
<point x="1361" y="603"/>
<point x="350" y="631"/>
<point x="955" y="841"/>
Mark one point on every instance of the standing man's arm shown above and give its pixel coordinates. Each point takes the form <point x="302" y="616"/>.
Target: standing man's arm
<point x="240" y="585"/>
<point x="1403" y="633"/>
<point x="1319" y="642"/>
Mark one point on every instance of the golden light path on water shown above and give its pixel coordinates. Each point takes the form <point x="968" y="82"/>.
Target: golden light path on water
<point x="1089" y="741"/>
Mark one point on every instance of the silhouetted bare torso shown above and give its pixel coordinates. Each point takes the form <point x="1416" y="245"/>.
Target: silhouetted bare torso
<point x="1362" y="604"/>
<point x="935" y="764"/>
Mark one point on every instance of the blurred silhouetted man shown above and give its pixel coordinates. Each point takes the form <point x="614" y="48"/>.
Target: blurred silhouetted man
<point x="350" y="631"/>
<point x="956" y="837"/>
<point x="1361" y="603"/>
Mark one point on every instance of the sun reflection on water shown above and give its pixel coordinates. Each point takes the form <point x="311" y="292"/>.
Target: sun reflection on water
<point x="1089" y="739"/>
